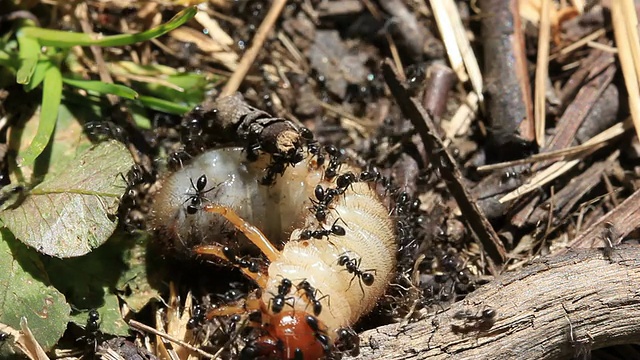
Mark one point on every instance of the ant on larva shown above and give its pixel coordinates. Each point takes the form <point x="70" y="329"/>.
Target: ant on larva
<point x="271" y="215"/>
<point x="196" y="198"/>
<point x="335" y="229"/>
<point x="352" y="265"/>
<point x="311" y="294"/>
<point x="280" y="299"/>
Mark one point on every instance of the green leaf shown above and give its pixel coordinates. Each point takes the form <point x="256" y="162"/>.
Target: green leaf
<point x="51" y="94"/>
<point x="192" y="88"/>
<point x="59" y="38"/>
<point x="102" y="87"/>
<point x="38" y="75"/>
<point x="88" y="282"/>
<point x="73" y="212"/>
<point x="28" y="52"/>
<point x="110" y="318"/>
<point x="169" y="107"/>
<point x="24" y="291"/>
<point x="135" y="283"/>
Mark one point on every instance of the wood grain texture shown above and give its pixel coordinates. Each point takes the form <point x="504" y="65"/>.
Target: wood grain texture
<point x="600" y="297"/>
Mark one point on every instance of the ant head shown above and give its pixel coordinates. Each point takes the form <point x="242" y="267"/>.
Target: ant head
<point x="291" y="335"/>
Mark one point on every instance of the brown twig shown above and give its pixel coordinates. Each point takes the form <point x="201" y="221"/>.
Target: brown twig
<point x="506" y="78"/>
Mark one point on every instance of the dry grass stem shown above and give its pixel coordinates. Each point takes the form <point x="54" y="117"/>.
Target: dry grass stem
<point x="468" y="56"/>
<point x="578" y="43"/>
<point x="577" y="150"/>
<point x="552" y="172"/>
<point x="542" y="71"/>
<point x="140" y="326"/>
<point x="621" y="27"/>
<point x="256" y="44"/>
<point x="449" y="38"/>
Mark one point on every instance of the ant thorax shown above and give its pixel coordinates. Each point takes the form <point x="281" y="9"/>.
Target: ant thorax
<point x="225" y="177"/>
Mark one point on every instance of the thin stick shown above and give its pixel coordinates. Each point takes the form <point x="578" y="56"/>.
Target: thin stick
<point x="542" y="71"/>
<point x="552" y="172"/>
<point x="140" y="326"/>
<point x="602" y="139"/>
<point x="448" y="37"/>
<point x="626" y="60"/>
<point x="256" y="44"/>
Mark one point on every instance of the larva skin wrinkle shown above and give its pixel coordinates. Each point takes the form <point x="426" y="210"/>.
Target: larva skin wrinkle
<point x="234" y="180"/>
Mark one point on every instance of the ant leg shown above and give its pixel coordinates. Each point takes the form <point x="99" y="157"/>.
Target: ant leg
<point x="251" y="232"/>
<point x="250" y="305"/>
<point x="217" y="251"/>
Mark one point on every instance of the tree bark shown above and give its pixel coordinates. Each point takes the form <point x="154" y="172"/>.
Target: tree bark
<point x="558" y="307"/>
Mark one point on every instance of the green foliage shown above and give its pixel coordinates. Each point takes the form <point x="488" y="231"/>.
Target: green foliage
<point x="25" y="292"/>
<point x="61" y="253"/>
<point x="73" y="212"/>
<point x="34" y="66"/>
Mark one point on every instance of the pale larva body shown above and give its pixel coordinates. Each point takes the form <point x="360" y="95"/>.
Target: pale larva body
<point x="234" y="183"/>
<point x="368" y="237"/>
<point x="282" y="212"/>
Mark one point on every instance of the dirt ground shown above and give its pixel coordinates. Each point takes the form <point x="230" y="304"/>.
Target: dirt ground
<point x="504" y="138"/>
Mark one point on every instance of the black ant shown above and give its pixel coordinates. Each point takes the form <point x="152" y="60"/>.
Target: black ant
<point x="92" y="328"/>
<point x="348" y="341"/>
<point x="344" y="181"/>
<point x="280" y="299"/>
<point x="478" y="321"/>
<point x="195" y="199"/>
<point x="352" y="265"/>
<point x="320" y="335"/>
<point x="252" y="265"/>
<point x="334" y="162"/>
<point x="315" y="150"/>
<point x="311" y="293"/>
<point x="369" y="175"/>
<point x="319" y="234"/>
<point x="321" y="205"/>
<point x="197" y="317"/>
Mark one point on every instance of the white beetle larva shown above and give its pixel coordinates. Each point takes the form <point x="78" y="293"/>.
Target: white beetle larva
<point x="327" y="267"/>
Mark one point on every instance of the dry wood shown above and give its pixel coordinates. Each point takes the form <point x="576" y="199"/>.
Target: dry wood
<point x="580" y="294"/>
<point x="506" y="80"/>
<point x="624" y="218"/>
<point x="448" y="168"/>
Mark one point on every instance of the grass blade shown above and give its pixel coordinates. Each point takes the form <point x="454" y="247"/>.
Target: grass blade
<point x="169" y="107"/>
<point x="103" y="88"/>
<point x="51" y="95"/>
<point x="59" y="38"/>
<point x="29" y="52"/>
<point x="38" y="75"/>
